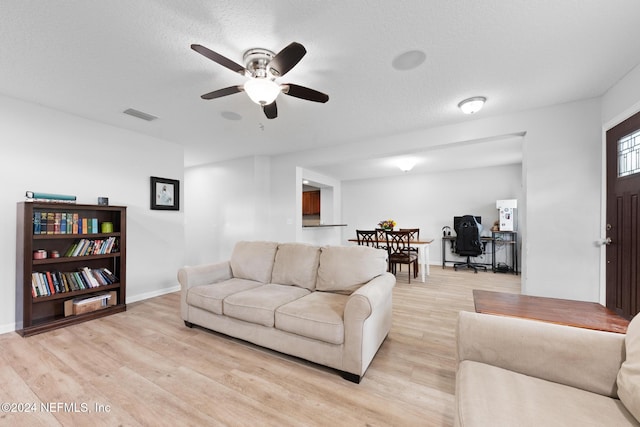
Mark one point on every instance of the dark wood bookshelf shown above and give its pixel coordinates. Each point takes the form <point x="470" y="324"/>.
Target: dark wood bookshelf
<point x="36" y="314"/>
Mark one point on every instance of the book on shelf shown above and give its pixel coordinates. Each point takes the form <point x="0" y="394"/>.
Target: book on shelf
<point x="48" y="283"/>
<point x="64" y="223"/>
<point x="35" y="287"/>
<point x="36" y="222"/>
<point x="43" y="222"/>
<point x="51" y="217"/>
<point x="75" y="224"/>
<point x="32" y="196"/>
<point x="74" y="283"/>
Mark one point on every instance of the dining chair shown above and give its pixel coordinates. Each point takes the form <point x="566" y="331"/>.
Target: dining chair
<point x="367" y="238"/>
<point x="414" y="234"/>
<point x="398" y="244"/>
<point x="382" y="238"/>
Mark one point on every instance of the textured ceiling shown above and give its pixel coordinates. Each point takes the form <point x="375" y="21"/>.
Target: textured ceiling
<point x="97" y="58"/>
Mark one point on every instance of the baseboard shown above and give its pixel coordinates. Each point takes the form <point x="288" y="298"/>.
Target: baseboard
<point x="156" y="293"/>
<point x="9" y="327"/>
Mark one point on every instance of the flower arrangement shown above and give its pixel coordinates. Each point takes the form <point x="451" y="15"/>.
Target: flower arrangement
<point x="387" y="224"/>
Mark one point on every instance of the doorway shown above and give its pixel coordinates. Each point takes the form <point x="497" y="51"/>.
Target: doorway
<point x="623" y="217"/>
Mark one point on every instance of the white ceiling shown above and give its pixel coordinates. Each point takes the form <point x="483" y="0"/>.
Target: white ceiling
<point x="96" y="58"/>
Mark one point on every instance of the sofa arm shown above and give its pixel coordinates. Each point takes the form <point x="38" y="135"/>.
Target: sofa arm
<point x="197" y="275"/>
<point x="363" y="301"/>
<point x="367" y="321"/>
<point x="204" y="274"/>
<point x="582" y="358"/>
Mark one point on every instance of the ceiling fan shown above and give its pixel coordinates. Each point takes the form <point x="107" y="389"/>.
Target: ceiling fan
<point x="262" y="67"/>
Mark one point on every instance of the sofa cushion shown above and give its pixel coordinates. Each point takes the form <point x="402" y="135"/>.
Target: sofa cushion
<point x="253" y="260"/>
<point x="296" y="264"/>
<point x="209" y="297"/>
<point x="318" y="315"/>
<point x="258" y="305"/>
<point x="629" y="375"/>
<point x="490" y="396"/>
<point x="344" y="269"/>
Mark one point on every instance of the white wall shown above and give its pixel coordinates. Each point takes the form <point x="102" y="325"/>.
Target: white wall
<point x="562" y="169"/>
<point x="429" y="201"/>
<point x="224" y="203"/>
<point x="622" y="100"/>
<point x="49" y="151"/>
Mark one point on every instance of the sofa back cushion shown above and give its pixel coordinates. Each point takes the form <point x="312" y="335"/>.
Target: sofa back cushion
<point x="343" y="269"/>
<point x="629" y="375"/>
<point x="253" y="260"/>
<point x="296" y="264"/>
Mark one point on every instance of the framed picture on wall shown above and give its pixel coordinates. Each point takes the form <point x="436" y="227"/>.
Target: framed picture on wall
<point x="165" y="194"/>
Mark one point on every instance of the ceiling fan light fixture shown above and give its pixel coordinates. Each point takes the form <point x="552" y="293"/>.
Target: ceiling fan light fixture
<point x="262" y="91"/>
<point x="472" y="105"/>
<point x="406" y="164"/>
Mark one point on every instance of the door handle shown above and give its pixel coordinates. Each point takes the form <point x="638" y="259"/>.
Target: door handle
<point x="606" y="241"/>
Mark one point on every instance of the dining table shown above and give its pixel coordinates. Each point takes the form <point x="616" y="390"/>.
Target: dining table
<point x="423" y="253"/>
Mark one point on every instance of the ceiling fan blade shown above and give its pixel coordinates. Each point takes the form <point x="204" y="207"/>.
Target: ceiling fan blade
<point x="270" y="110"/>
<point x="304" y="93"/>
<point x="286" y="59"/>
<point x="216" y="57"/>
<point x="222" y="92"/>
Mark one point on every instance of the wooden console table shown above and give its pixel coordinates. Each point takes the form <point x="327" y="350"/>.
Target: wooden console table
<point x="581" y="314"/>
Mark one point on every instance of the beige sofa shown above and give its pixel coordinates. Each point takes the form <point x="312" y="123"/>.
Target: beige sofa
<point x="517" y="372"/>
<point x="330" y="305"/>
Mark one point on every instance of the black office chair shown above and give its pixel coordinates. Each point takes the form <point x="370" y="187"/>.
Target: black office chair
<point x="468" y="243"/>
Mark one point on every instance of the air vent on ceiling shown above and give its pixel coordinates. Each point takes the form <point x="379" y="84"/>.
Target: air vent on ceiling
<point x="139" y="114"/>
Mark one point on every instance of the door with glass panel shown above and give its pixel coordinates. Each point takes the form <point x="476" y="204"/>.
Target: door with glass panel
<point x="623" y="217"/>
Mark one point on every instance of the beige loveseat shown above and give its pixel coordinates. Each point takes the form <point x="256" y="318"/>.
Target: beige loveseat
<point x="330" y="305"/>
<point x="517" y="372"/>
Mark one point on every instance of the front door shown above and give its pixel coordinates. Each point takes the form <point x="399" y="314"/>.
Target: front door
<point x="623" y="217"/>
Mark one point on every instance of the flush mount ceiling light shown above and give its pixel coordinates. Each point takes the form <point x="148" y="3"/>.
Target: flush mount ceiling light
<point x="472" y="105"/>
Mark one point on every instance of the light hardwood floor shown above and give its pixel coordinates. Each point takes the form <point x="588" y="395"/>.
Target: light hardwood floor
<point x="144" y="367"/>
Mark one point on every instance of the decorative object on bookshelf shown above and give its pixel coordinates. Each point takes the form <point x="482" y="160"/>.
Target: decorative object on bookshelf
<point x="165" y="194"/>
<point x="103" y="201"/>
<point x="106" y="227"/>
<point x="33" y="196"/>
<point x="39" y="254"/>
<point x="88" y="261"/>
<point x="89" y="303"/>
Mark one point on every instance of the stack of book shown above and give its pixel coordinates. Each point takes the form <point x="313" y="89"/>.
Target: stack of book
<point x="32" y="196"/>
<point x="63" y="223"/>
<point x="52" y="282"/>
<point x="85" y="247"/>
